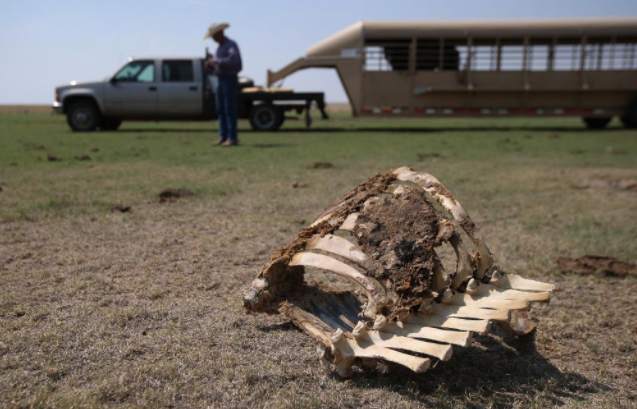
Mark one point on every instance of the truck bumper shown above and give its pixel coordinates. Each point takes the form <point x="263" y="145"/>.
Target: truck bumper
<point x="57" y="107"/>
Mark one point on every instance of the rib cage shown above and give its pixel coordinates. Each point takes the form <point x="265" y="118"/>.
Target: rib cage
<point x="389" y="325"/>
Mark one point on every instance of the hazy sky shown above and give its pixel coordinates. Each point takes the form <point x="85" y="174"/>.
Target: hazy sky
<point x="44" y="43"/>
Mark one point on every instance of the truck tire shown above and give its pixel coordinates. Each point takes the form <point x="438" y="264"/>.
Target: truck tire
<point x="83" y="116"/>
<point x="110" y="124"/>
<point x="629" y="118"/>
<point x="266" y="117"/>
<point x="596" y="122"/>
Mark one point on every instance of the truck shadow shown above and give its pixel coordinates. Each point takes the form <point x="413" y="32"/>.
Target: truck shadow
<point x="381" y="129"/>
<point x="496" y="377"/>
<point x="168" y="130"/>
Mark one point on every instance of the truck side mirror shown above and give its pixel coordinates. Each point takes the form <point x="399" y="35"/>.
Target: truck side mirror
<point x="113" y="81"/>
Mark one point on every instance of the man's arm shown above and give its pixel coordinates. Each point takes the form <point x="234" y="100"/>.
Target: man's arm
<point x="210" y="64"/>
<point x="232" y="60"/>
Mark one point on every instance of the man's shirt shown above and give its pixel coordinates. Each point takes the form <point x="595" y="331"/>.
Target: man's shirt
<point x="228" y="58"/>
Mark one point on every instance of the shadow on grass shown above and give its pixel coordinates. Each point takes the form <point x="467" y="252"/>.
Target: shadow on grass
<point x="496" y="377"/>
<point x="412" y="129"/>
<point x="384" y="129"/>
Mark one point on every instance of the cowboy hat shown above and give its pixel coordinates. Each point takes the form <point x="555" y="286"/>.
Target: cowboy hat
<point x="215" y="28"/>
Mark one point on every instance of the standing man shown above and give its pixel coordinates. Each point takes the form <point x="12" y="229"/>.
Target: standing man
<point x="226" y="65"/>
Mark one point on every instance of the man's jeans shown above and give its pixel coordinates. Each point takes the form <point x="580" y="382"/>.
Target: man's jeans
<point x="226" y="99"/>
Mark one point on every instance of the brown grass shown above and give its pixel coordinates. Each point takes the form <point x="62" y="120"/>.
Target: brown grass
<point x="143" y="309"/>
<point x="25" y="109"/>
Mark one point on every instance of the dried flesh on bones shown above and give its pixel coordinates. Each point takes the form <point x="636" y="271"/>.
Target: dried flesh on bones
<point x="409" y="305"/>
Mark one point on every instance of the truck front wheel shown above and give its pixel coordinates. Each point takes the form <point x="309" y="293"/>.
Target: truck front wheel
<point x="266" y="117"/>
<point x="83" y="116"/>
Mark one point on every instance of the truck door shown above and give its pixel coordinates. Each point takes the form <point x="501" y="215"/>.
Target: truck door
<point x="132" y="92"/>
<point x="180" y="91"/>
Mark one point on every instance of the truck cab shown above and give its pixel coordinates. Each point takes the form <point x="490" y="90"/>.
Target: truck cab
<point x="172" y="89"/>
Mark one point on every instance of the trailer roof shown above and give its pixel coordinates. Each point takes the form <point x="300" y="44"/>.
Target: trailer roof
<point x="354" y="35"/>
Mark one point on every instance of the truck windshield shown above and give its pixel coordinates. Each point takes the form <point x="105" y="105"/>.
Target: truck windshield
<point x="137" y="71"/>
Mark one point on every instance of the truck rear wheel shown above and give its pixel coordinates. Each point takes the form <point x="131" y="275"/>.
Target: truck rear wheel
<point x="83" y="116"/>
<point x="266" y="117"/>
<point x="596" y="122"/>
<point x="110" y="124"/>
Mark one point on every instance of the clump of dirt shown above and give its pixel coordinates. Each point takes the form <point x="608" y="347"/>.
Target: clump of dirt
<point x="598" y="265"/>
<point x="299" y="185"/>
<point x="170" y="194"/>
<point x="94" y="150"/>
<point x="120" y="208"/>
<point x="83" y="157"/>
<point x="614" y="151"/>
<point x="421" y="157"/>
<point x="399" y="233"/>
<point x="626" y="184"/>
<point x="322" y="165"/>
<point x="52" y="158"/>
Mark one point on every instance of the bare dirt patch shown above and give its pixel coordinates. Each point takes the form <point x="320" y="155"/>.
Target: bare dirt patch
<point x="626" y="184"/>
<point x="321" y="165"/>
<point x="121" y="208"/>
<point x="599" y="265"/>
<point x="172" y="194"/>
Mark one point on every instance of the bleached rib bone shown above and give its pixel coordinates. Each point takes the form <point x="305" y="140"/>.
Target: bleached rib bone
<point x="485" y="258"/>
<point x="460" y="338"/>
<point x="480" y="326"/>
<point x="486" y="290"/>
<point x="517" y="282"/>
<point x="337" y="245"/>
<point x="350" y="222"/>
<point x="465" y="269"/>
<point x="487" y="302"/>
<point x="375" y="292"/>
<point x="350" y="347"/>
<point x="469" y="311"/>
<point x="389" y="340"/>
<point x="321" y="219"/>
<point x="308" y="323"/>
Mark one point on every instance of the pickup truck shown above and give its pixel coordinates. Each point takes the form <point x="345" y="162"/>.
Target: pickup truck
<point x="173" y="89"/>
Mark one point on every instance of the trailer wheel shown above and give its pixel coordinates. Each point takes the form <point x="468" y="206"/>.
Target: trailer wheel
<point x="596" y="122"/>
<point x="110" y="124"/>
<point x="83" y="116"/>
<point x="629" y="118"/>
<point x="266" y="117"/>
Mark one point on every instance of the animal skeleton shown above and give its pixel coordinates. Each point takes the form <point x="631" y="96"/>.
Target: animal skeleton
<point x="410" y="305"/>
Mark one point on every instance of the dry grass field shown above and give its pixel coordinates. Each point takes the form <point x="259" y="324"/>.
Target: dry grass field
<point x="142" y="308"/>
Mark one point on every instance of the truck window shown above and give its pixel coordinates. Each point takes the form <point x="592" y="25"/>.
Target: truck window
<point x="137" y="71"/>
<point x="177" y="71"/>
